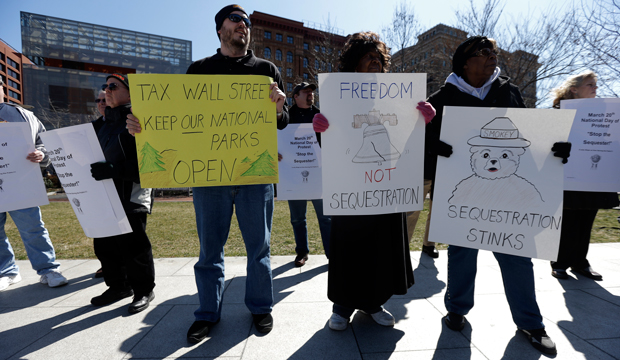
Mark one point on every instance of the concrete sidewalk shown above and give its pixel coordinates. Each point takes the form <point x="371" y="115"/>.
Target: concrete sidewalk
<point x="36" y="322"/>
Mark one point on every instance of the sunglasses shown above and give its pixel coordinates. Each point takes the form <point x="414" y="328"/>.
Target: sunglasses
<point x="111" y="87"/>
<point x="99" y="100"/>
<point x="236" y="18"/>
<point x="486" y="52"/>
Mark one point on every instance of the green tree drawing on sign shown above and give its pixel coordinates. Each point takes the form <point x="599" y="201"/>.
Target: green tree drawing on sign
<point x="151" y="160"/>
<point x="263" y="166"/>
<point x="246" y="160"/>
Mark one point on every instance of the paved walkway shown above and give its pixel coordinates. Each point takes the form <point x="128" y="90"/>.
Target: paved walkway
<point x="37" y="322"/>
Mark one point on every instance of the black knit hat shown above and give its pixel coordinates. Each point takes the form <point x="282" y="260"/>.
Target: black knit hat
<point x="465" y="51"/>
<point x="120" y="77"/>
<point x="223" y="14"/>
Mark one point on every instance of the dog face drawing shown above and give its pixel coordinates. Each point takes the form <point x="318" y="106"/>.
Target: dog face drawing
<point x="495" y="163"/>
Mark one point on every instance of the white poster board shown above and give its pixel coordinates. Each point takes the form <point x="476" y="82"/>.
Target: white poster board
<point x="595" y="157"/>
<point x="96" y="203"/>
<point x="21" y="182"/>
<point x="373" y="150"/>
<point x="501" y="190"/>
<point x="300" y="167"/>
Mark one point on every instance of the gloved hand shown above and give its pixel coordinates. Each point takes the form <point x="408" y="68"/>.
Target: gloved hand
<point x="104" y="170"/>
<point x="427" y="110"/>
<point x="562" y="150"/>
<point x="443" y="149"/>
<point x="320" y="123"/>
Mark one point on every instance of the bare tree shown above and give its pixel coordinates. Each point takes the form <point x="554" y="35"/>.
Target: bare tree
<point x="401" y="33"/>
<point x="600" y="30"/>
<point x="54" y="117"/>
<point x="481" y="21"/>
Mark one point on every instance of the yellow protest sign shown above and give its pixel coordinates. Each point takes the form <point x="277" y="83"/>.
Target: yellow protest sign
<point x="204" y="130"/>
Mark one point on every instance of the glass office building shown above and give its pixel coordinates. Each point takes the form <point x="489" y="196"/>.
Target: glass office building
<point x="72" y="59"/>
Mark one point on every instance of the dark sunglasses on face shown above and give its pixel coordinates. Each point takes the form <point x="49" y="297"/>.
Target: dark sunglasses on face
<point x="99" y="100"/>
<point x="111" y="87"/>
<point x="484" y="52"/>
<point x="236" y="18"/>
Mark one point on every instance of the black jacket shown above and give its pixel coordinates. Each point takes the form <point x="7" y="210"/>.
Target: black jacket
<point x="298" y="115"/>
<point x="502" y="94"/>
<point x="219" y="64"/>
<point x="119" y="148"/>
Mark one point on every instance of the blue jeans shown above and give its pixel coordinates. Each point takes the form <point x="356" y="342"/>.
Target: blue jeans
<point x="298" y="210"/>
<point x="253" y="205"/>
<point x="36" y="241"/>
<point x="518" y="278"/>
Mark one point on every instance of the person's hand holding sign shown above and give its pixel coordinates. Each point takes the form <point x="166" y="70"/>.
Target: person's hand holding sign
<point x="278" y="97"/>
<point x="133" y="125"/>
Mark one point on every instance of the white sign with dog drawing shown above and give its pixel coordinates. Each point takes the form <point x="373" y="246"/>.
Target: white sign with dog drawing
<point x="595" y="136"/>
<point x="373" y="150"/>
<point x="501" y="190"/>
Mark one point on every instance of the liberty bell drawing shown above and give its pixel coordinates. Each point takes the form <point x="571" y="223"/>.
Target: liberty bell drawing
<point x="376" y="146"/>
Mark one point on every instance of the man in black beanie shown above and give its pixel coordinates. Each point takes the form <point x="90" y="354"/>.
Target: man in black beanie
<point x="253" y="204"/>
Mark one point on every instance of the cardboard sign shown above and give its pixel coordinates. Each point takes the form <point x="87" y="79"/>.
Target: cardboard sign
<point x="595" y="136"/>
<point x="204" y="130"/>
<point x="501" y="189"/>
<point x="373" y="150"/>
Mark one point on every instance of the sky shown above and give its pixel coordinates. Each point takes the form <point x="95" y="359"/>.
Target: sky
<point x="194" y="19"/>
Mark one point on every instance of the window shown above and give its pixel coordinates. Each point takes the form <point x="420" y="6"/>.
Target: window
<point x="267" y="53"/>
<point x="267" y="34"/>
<point x="278" y="37"/>
<point x="289" y="101"/>
<point x="279" y="54"/>
<point x="316" y="79"/>
<point x="316" y="48"/>
<point x="280" y="69"/>
<point x="305" y="62"/>
<point x="13" y="73"/>
<point x="323" y="49"/>
<point x="306" y="46"/>
<point x="13" y="84"/>
<point x="305" y="76"/>
<point x="289" y="72"/>
<point x="289" y="86"/>
<point x="289" y="39"/>
<point x="289" y="57"/>
<point x="12" y="63"/>
<point x="14" y="95"/>
<point x="329" y="67"/>
<point x="316" y="64"/>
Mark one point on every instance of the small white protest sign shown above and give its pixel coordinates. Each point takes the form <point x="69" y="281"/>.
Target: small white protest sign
<point x="300" y="167"/>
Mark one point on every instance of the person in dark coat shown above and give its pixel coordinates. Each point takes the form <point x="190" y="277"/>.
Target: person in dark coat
<point x="580" y="207"/>
<point x="126" y="259"/>
<point x="369" y="259"/>
<point x="476" y="82"/>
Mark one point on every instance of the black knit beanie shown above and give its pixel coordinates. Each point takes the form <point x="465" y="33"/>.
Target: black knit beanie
<point x="223" y="14"/>
<point x="464" y="52"/>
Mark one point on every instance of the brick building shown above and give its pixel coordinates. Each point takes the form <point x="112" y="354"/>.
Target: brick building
<point x="11" y="66"/>
<point x="300" y="52"/>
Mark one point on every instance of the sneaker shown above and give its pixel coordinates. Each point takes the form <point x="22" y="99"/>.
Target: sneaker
<point x="338" y="323"/>
<point x="541" y="341"/>
<point x="53" y="279"/>
<point x="6" y="281"/>
<point x="263" y="322"/>
<point x="382" y="317"/>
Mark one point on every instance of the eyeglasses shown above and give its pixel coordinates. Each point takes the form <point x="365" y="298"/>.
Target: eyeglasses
<point x="111" y="87"/>
<point x="486" y="52"/>
<point x="236" y="18"/>
<point x="99" y="100"/>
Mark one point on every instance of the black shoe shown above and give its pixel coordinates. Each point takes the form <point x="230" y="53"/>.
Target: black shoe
<point x="589" y="273"/>
<point x="454" y="321"/>
<point x="541" y="341"/>
<point x="300" y="260"/>
<point x="263" y="322"/>
<point x="141" y="302"/>
<point x="559" y="274"/>
<point x="111" y="296"/>
<point x="430" y="251"/>
<point x="199" y="330"/>
<point x="99" y="273"/>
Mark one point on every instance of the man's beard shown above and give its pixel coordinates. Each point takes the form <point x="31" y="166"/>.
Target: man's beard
<point x="309" y="101"/>
<point x="234" y="42"/>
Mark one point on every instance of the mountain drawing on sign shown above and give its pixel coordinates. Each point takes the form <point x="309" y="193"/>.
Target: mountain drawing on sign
<point x="263" y="166"/>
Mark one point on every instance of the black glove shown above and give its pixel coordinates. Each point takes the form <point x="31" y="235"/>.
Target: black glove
<point x="105" y="170"/>
<point x="562" y="150"/>
<point x="443" y="149"/>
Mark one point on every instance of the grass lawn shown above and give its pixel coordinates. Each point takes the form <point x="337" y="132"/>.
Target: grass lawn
<point x="172" y="230"/>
